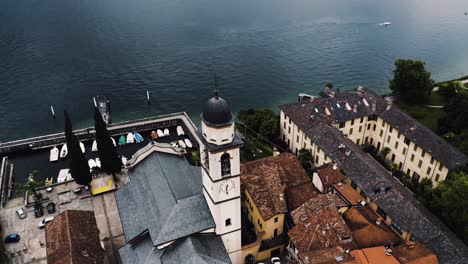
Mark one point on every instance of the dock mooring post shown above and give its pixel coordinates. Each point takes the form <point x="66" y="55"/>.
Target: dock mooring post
<point x="52" y="110"/>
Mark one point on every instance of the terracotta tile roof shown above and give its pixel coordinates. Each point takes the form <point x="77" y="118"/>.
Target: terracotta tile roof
<point x="73" y="237"/>
<point x="330" y="174"/>
<point x="414" y="253"/>
<point x="373" y="255"/>
<point x="333" y="255"/>
<point x="352" y="196"/>
<point x="362" y="222"/>
<point x="318" y="225"/>
<point x="267" y="179"/>
<point x="297" y="195"/>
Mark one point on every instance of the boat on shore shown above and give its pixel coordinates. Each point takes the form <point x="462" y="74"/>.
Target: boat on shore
<point x="54" y="154"/>
<point x="188" y="143"/>
<point x="64" y="175"/>
<point x="160" y="133"/>
<point x="82" y="147"/>
<point x="122" y="140"/>
<point x="103" y="105"/>
<point x="180" y="131"/>
<point x="94" y="146"/>
<point x="138" y="137"/>
<point x="130" y="138"/>
<point x="63" y="151"/>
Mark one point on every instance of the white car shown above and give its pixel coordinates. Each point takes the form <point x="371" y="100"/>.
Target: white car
<point x="275" y="260"/>
<point x="44" y="221"/>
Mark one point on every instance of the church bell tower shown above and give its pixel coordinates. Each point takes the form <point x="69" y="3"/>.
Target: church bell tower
<point x="220" y="160"/>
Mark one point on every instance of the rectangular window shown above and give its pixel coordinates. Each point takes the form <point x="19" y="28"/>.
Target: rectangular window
<point x="399" y="134"/>
<point x="316" y="159"/>
<point x="228" y="222"/>
<point x="357" y="141"/>
<point x="289" y="130"/>
<point x="360" y="129"/>
<point x="289" y="121"/>
<point x="407" y="141"/>
<point x="381" y="132"/>
<point x="368" y="126"/>
<point x="375" y="127"/>
<point x="437" y="178"/>
<point x="297" y="138"/>
<point x="396" y="145"/>
<point x="412" y="157"/>
<point x="351" y="131"/>
<point x="390" y="129"/>
<point x="428" y="171"/>
<point x="404" y="151"/>
<point x="388" y="139"/>
<point x="440" y="166"/>
<point x="408" y="172"/>
<point x="367" y="140"/>
<point x="318" y="151"/>
<point x="284" y="125"/>
<point x="382" y="122"/>
<point x="415" y="148"/>
<point x="352" y="122"/>
<point x="362" y="120"/>
<point x="341" y="125"/>
<point x="420" y="164"/>
<point x="432" y="160"/>
<point x="276" y="219"/>
<point x="423" y="153"/>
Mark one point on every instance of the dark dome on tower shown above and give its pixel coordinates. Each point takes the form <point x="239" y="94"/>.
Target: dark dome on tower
<point x="217" y="112"/>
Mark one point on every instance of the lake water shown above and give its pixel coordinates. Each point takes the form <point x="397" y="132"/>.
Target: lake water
<point x="264" y="53"/>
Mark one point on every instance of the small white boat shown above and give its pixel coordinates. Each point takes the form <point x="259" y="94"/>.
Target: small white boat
<point x="387" y="23"/>
<point x="181" y="143"/>
<point x="113" y="141"/>
<point x="82" y="147"/>
<point x="54" y="154"/>
<point x="64" y="175"/>
<point x="180" y="131"/>
<point x="160" y="133"/>
<point x="166" y="132"/>
<point x="63" y="151"/>
<point x="94" y="146"/>
<point x="124" y="161"/>
<point x="138" y="137"/>
<point x="98" y="162"/>
<point x="91" y="164"/>
<point x="188" y="143"/>
<point x="130" y="138"/>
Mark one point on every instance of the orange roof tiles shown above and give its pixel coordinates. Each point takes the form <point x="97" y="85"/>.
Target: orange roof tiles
<point x="319" y="225"/>
<point x="414" y="253"/>
<point x="297" y="195"/>
<point x="333" y="255"/>
<point x="73" y="237"/>
<point x="330" y="175"/>
<point x="349" y="193"/>
<point x="366" y="232"/>
<point x="375" y="255"/>
<point x="267" y="179"/>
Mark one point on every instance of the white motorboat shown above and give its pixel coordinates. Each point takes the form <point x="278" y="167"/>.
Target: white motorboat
<point x="188" y="143"/>
<point x="91" y="164"/>
<point x="54" y="154"/>
<point x="130" y="138"/>
<point x="180" y="131"/>
<point x="160" y="133"/>
<point x="63" y="151"/>
<point x="64" y="175"/>
<point x="113" y="141"/>
<point x="387" y="23"/>
<point x="94" y="146"/>
<point x="181" y="143"/>
<point x="98" y="162"/>
<point x="166" y="132"/>
<point x="82" y="147"/>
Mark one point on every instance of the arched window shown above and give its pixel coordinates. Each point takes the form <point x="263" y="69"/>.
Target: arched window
<point x="225" y="164"/>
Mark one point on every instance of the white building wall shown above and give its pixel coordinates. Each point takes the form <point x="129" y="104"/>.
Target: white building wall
<point x="218" y="135"/>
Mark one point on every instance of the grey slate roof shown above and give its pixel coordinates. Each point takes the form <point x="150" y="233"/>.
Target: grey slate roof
<point x="398" y="202"/>
<point x="196" y="249"/>
<point x="164" y="196"/>
<point x="306" y="113"/>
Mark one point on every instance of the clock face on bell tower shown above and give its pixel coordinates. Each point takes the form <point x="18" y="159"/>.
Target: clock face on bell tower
<point x="226" y="187"/>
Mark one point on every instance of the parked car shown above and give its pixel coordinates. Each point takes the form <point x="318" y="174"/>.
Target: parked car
<point x="21" y="213"/>
<point x="38" y="212"/>
<point x="44" y="221"/>
<point x="51" y="208"/>
<point x="275" y="260"/>
<point x="12" y="238"/>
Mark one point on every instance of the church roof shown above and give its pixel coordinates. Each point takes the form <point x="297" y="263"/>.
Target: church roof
<point x="164" y="197"/>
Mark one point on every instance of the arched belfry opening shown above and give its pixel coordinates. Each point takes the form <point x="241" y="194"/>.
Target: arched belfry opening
<point x="225" y="164"/>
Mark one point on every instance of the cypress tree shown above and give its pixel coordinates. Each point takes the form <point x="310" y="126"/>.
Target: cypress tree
<point x="79" y="168"/>
<point x="110" y="161"/>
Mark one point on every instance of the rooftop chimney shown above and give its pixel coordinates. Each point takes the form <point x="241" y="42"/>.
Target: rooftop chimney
<point x="355" y="108"/>
<point x="389" y="102"/>
<point x="335" y="167"/>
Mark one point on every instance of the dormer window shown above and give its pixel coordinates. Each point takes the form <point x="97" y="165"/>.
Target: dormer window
<point x="225" y="164"/>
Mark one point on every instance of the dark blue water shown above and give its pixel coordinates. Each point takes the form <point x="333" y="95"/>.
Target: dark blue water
<point x="264" y="52"/>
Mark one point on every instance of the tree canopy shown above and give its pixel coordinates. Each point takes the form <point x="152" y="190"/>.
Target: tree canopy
<point x="411" y="82"/>
<point x="110" y="161"/>
<point x="263" y="121"/>
<point x="79" y="167"/>
<point x="456" y="112"/>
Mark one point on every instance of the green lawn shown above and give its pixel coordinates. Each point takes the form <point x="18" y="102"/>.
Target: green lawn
<point x="436" y="99"/>
<point x="427" y="116"/>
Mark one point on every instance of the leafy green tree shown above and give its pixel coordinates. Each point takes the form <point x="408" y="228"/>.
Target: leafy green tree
<point x="450" y="89"/>
<point x="449" y="202"/>
<point x="411" y="82"/>
<point x="456" y="112"/>
<point x="263" y="121"/>
<point x="31" y="185"/>
<point x="384" y="152"/>
<point x="79" y="167"/>
<point x="110" y="161"/>
<point x="458" y="140"/>
<point x="305" y="157"/>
